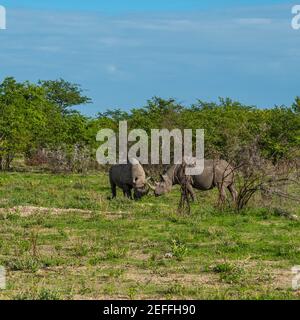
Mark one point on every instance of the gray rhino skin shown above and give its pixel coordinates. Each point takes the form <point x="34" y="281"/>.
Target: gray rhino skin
<point x="127" y="177"/>
<point x="217" y="173"/>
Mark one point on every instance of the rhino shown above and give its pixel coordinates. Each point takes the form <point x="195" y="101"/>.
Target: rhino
<point x="217" y="173"/>
<point x="127" y="177"/>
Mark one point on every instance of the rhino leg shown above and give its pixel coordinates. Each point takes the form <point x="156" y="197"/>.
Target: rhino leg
<point x="191" y="192"/>
<point x="113" y="190"/>
<point x="233" y="192"/>
<point x="136" y="195"/>
<point x="222" y="194"/>
<point x="127" y="192"/>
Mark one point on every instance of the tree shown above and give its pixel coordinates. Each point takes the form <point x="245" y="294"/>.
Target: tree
<point x="282" y="134"/>
<point x="25" y="115"/>
<point x="296" y="105"/>
<point x="64" y="94"/>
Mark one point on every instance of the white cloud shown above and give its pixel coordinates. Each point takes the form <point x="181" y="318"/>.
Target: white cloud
<point x="111" y="69"/>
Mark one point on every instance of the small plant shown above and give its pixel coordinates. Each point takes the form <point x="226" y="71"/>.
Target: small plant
<point x="175" y="289"/>
<point x="95" y="260"/>
<point x="52" y="261"/>
<point x="110" y="289"/>
<point x="42" y="294"/>
<point x="223" y="267"/>
<point x="80" y="250"/>
<point x="26" y="263"/>
<point x="115" y="253"/>
<point x="115" y="273"/>
<point x="132" y="292"/>
<point x="228" y="272"/>
<point x="47" y="294"/>
<point x="85" y="289"/>
<point x="179" y="250"/>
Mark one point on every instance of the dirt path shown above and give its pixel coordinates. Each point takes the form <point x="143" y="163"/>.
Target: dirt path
<point x="26" y="211"/>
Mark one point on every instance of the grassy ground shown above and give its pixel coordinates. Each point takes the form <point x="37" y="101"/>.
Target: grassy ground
<point x="127" y="250"/>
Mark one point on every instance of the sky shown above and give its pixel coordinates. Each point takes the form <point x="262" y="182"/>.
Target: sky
<point x="123" y="52"/>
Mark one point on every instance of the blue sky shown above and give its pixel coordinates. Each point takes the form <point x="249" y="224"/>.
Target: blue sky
<point x="132" y="5"/>
<point x="126" y="51"/>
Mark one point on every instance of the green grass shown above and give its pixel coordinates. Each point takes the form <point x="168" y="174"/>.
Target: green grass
<point x="130" y="250"/>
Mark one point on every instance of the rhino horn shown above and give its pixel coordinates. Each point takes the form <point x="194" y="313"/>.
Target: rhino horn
<point x="150" y="186"/>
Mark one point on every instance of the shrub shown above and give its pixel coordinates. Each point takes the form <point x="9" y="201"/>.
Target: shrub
<point x="179" y="250"/>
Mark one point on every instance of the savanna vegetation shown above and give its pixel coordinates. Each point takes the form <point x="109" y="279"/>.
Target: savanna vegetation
<point x="60" y="238"/>
<point x="38" y="124"/>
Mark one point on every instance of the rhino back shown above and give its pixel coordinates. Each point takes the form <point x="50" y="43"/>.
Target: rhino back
<point x="224" y="172"/>
<point x="201" y="182"/>
<point x="121" y="174"/>
<point x="215" y="171"/>
<point x="205" y="181"/>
